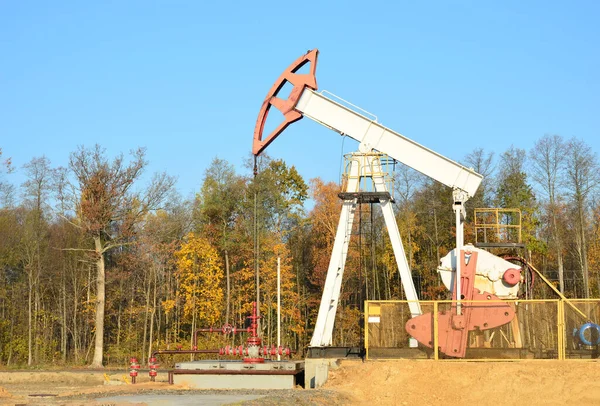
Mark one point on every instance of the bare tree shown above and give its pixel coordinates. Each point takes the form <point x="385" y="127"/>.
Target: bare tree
<point x="514" y="191"/>
<point x="108" y="211"/>
<point x="482" y="163"/>
<point x="583" y="176"/>
<point x="547" y="169"/>
<point x="36" y="191"/>
<point x="407" y="182"/>
<point x="6" y="189"/>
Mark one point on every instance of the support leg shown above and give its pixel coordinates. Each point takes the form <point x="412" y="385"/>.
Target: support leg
<point x="396" y="240"/>
<point x="323" y="333"/>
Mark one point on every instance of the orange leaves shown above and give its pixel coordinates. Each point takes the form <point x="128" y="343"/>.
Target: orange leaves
<point x="7" y="163"/>
<point x="324" y="219"/>
<point x="325" y="215"/>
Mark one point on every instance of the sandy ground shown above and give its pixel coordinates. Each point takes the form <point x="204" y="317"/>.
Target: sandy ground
<point x="84" y="387"/>
<point x="403" y="382"/>
<point x="422" y="382"/>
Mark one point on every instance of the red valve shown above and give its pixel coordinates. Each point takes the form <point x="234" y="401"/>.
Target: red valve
<point x="133" y="369"/>
<point x="153" y="368"/>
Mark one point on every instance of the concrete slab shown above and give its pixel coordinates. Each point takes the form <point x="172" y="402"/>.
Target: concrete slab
<point x="233" y="374"/>
<point x="233" y="365"/>
<point x="237" y="381"/>
<point x="316" y="371"/>
<point x="178" y="400"/>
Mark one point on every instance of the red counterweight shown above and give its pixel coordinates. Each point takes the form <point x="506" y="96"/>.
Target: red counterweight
<point x="478" y="311"/>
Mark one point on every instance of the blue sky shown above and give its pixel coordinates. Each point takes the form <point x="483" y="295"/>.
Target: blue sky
<point x="185" y="79"/>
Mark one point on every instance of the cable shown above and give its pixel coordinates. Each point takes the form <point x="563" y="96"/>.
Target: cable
<point x="341" y="160"/>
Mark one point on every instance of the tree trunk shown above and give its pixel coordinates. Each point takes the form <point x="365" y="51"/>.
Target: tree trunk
<point x="36" y="286"/>
<point x="85" y="344"/>
<point x="63" y="342"/>
<point x="29" y="322"/>
<point x="256" y="264"/>
<point x="559" y="254"/>
<point x="584" y="261"/>
<point x="437" y="239"/>
<point x="152" y="316"/>
<point x="100" y="302"/>
<point x="76" y="341"/>
<point x="228" y="298"/>
<point x="561" y="273"/>
<point x="582" y="250"/>
<point x="119" y="313"/>
<point x="36" y="329"/>
<point x="146" y="315"/>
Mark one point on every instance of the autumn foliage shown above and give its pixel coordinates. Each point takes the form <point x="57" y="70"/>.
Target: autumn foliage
<point x="173" y="265"/>
<point x="199" y="275"/>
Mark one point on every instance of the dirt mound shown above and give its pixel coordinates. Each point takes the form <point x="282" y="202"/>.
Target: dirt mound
<point x="4" y="393"/>
<point x="412" y="382"/>
<point x="64" y="377"/>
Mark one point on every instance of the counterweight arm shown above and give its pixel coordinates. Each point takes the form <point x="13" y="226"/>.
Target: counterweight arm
<point x="304" y="100"/>
<point x="374" y="136"/>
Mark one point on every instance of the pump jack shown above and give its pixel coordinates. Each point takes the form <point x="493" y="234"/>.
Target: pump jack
<point x="474" y="269"/>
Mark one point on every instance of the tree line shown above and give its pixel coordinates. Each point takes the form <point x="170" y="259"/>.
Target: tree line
<point x="96" y="266"/>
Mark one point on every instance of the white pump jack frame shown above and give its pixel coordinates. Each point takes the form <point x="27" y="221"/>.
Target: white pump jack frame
<point x="323" y="332"/>
<point x="373" y="136"/>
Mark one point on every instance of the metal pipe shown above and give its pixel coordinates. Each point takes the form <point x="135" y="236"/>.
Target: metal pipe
<point x="173" y="352"/>
<point x="278" y="306"/>
<point x="458" y="261"/>
<point x="235" y="372"/>
<point x="435" y="331"/>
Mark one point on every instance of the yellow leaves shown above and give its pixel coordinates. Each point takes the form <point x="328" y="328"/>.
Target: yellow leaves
<point x="168" y="305"/>
<point x="200" y="273"/>
<point x="290" y="300"/>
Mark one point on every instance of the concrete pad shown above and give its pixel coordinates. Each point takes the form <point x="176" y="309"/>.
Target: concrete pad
<point x="237" y="381"/>
<point x="316" y="371"/>
<point x="178" y="400"/>
<point x="232" y="365"/>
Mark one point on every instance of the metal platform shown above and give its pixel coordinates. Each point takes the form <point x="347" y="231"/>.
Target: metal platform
<point x="214" y="374"/>
<point x="336" y="352"/>
<point x="500" y="245"/>
<point x="366" y="197"/>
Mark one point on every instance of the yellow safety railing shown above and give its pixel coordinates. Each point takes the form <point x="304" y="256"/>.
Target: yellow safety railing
<point x="370" y="165"/>
<point x="497" y="225"/>
<point x="541" y="329"/>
